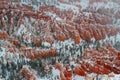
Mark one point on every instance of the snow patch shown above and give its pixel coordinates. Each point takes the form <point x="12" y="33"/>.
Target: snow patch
<point x="109" y="5"/>
<point x="67" y="6"/>
<point x="53" y="15"/>
<point x="46" y="44"/>
<point x="77" y="77"/>
<point x="3" y="52"/>
<point x="55" y="73"/>
<point x="84" y="3"/>
<point x="21" y="30"/>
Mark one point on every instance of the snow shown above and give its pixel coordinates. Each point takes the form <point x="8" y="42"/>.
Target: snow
<point x="73" y="63"/>
<point x="28" y="36"/>
<point x="21" y="30"/>
<point x="26" y="20"/>
<point x="77" y="77"/>
<point x="33" y="20"/>
<point x="106" y="77"/>
<point x="46" y="44"/>
<point x="42" y="79"/>
<point x="53" y="15"/>
<point x="2" y="55"/>
<point x="112" y="5"/>
<point x="55" y="73"/>
<point x="3" y="52"/>
<point x="84" y="3"/>
<point x="67" y="6"/>
<point x="109" y="5"/>
<point x="98" y="5"/>
<point x="118" y="37"/>
<point x="117" y="22"/>
<point x="36" y="7"/>
<point x="87" y="13"/>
